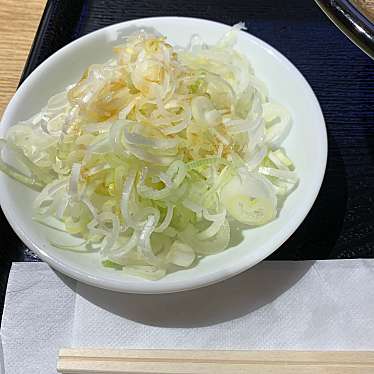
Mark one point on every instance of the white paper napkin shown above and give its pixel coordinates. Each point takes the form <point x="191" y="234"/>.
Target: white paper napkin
<point x="1" y="359"/>
<point x="276" y="305"/>
<point x="37" y="319"/>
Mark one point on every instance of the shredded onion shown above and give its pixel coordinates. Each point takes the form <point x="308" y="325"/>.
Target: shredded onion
<point x="149" y="155"/>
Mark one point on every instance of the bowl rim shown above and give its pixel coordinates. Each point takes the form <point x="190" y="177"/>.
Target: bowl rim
<point x="155" y="287"/>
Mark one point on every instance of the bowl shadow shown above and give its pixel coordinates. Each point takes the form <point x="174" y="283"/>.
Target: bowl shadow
<point x="224" y="301"/>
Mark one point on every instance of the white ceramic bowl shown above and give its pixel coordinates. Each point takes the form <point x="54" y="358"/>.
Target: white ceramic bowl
<point x="306" y="144"/>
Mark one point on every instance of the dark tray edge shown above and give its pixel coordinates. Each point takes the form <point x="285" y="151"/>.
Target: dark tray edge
<point x="64" y="30"/>
<point x="31" y="62"/>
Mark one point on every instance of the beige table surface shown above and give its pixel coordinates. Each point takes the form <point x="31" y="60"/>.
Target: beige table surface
<point x="19" y="20"/>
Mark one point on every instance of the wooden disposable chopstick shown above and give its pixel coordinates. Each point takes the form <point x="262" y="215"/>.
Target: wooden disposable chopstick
<point x="105" y="361"/>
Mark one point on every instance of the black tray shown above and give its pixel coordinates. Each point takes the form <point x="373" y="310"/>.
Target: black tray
<point x="341" y="222"/>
